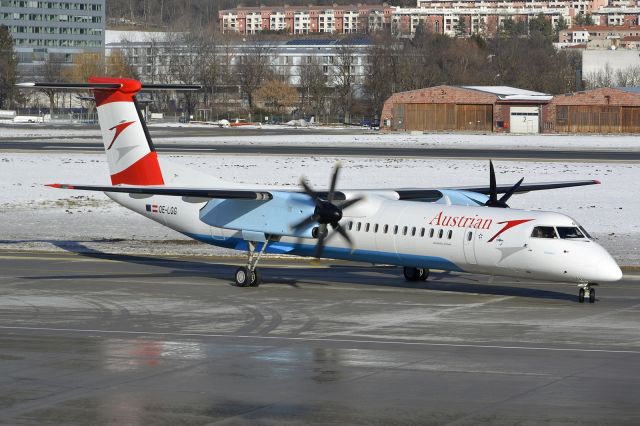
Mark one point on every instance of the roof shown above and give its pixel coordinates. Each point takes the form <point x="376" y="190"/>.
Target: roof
<point x="328" y="42"/>
<point x="603" y="28"/>
<point x="111" y="36"/>
<point x="507" y="93"/>
<point x="635" y="90"/>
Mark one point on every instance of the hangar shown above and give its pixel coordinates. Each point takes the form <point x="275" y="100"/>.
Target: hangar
<point x="465" y="108"/>
<point x="604" y="110"/>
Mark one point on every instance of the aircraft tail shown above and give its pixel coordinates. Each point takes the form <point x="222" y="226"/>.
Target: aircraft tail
<point x="130" y="152"/>
<point x="131" y="156"/>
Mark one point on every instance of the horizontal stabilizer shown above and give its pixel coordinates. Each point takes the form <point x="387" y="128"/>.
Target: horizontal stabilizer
<point x="103" y="86"/>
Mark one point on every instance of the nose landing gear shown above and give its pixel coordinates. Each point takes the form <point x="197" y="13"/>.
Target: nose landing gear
<point x="585" y="291"/>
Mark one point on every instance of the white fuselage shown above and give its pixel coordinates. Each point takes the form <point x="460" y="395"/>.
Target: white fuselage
<point x="483" y="240"/>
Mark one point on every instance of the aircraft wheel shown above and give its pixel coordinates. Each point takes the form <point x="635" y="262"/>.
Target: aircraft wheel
<point x="424" y="274"/>
<point x="581" y="295"/>
<point x="592" y="296"/>
<point x="255" y="278"/>
<point x="412" y="274"/>
<point x="243" y="276"/>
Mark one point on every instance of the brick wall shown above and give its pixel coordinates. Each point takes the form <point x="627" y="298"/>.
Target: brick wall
<point x="596" y="97"/>
<point x="437" y="95"/>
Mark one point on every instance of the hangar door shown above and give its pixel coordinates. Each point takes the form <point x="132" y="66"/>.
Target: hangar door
<point x="448" y="117"/>
<point x="597" y="119"/>
<point x="525" y="120"/>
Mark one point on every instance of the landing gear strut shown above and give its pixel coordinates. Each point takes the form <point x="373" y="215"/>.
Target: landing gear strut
<point x="586" y="291"/>
<point x="249" y="276"/>
<point x="415" y="274"/>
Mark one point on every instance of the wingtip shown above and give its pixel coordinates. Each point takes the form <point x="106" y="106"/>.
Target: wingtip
<point x="59" y="186"/>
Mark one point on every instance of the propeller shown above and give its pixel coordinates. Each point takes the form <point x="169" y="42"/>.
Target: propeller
<point x="326" y="214"/>
<point x="493" y="200"/>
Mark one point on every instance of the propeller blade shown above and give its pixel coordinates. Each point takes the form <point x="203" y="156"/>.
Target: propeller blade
<point x="351" y="202"/>
<point x="322" y="234"/>
<point x="493" y="192"/>
<point x="310" y="192"/>
<point x="305" y="223"/>
<point x="509" y="193"/>
<point x="340" y="230"/>
<point x="334" y="181"/>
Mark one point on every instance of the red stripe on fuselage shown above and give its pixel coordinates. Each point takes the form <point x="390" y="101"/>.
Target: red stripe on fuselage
<point x="508" y="225"/>
<point x="145" y="171"/>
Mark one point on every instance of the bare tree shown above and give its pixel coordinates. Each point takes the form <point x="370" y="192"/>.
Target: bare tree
<point x="190" y="58"/>
<point x="50" y="71"/>
<point x="313" y="86"/>
<point x="253" y="67"/>
<point x="344" y="78"/>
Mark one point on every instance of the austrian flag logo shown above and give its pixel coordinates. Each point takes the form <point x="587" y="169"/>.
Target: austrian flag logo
<point x="119" y="128"/>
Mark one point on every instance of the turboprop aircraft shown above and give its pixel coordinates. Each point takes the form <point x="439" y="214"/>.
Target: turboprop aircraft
<point x="465" y="229"/>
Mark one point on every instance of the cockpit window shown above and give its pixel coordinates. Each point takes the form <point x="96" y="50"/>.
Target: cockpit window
<point x="544" y="232"/>
<point x="586" y="234"/>
<point x="566" y="232"/>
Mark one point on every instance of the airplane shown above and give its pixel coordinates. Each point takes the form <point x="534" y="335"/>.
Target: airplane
<point x="462" y="229"/>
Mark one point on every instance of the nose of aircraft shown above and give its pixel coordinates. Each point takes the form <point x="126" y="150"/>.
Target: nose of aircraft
<point x="609" y="271"/>
<point x="603" y="267"/>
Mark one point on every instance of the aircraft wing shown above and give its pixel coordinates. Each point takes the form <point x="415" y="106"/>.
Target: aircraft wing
<point x="430" y="193"/>
<point x="180" y="192"/>
<point x="265" y="194"/>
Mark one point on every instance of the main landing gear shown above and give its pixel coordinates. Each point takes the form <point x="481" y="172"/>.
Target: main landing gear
<point x="585" y="291"/>
<point x="249" y="276"/>
<point x="415" y="274"/>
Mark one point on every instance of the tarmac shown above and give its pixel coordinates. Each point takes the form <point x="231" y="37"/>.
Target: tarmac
<point x="97" y="339"/>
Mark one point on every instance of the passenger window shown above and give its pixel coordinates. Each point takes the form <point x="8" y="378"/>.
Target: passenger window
<point x="413" y="231"/>
<point x="469" y="236"/>
<point x="385" y="229"/>
<point x="431" y="233"/>
<point x="404" y="230"/>
<point x="395" y="229"/>
<point x="544" y="232"/>
<point x="350" y="226"/>
<point x="440" y="232"/>
<point x="567" y="232"/>
<point x="358" y="226"/>
<point x="422" y="232"/>
<point x="366" y="228"/>
<point x="375" y="228"/>
<point x="449" y="234"/>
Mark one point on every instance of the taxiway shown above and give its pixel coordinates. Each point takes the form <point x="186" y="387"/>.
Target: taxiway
<point x="98" y="339"/>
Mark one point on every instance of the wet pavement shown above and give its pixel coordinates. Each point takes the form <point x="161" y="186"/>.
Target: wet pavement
<point x="92" y="339"/>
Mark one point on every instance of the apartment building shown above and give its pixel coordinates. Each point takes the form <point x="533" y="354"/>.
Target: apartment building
<point x="306" y="19"/>
<point x="53" y="30"/>
<point x="150" y="55"/>
<point x="454" y="18"/>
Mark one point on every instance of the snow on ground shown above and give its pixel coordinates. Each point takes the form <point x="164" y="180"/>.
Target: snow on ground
<point x="431" y="140"/>
<point x="353" y="137"/>
<point x="34" y="216"/>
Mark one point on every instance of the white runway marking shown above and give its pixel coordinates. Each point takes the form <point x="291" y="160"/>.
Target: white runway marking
<point x="321" y="339"/>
